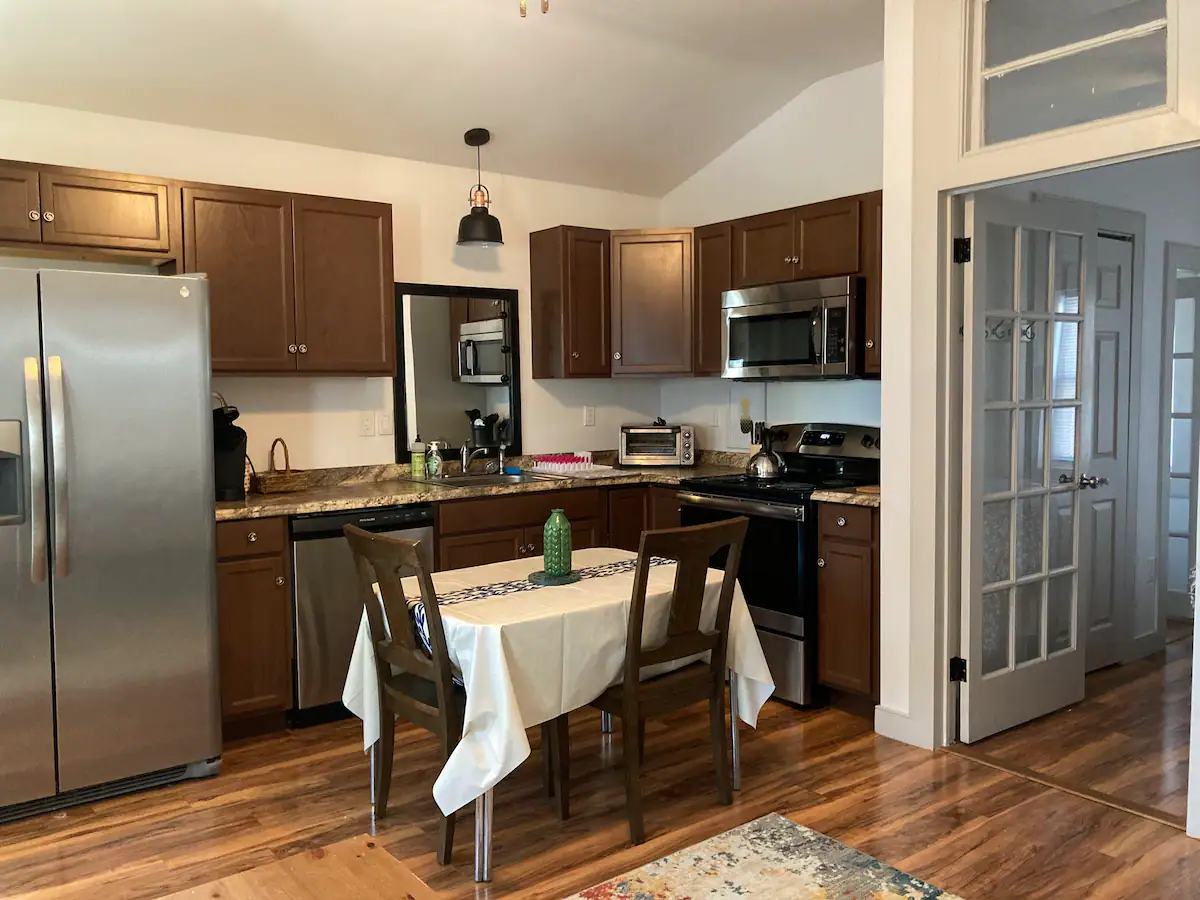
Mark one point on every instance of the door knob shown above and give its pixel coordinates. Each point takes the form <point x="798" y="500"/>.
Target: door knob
<point x="291" y="348"/>
<point x="48" y="216"/>
<point x="34" y="215"/>
<point x="279" y="581"/>
<point x="1089" y="481"/>
<point x="820" y="563"/>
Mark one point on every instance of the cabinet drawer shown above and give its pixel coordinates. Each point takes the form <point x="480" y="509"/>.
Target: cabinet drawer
<point x="256" y="537"/>
<point x="851" y="523"/>
<point x="523" y="510"/>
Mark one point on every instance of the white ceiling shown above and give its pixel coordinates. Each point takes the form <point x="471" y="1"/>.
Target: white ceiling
<point x="633" y="95"/>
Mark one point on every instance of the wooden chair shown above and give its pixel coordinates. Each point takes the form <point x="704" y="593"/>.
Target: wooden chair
<point x="414" y="685"/>
<point x="635" y="700"/>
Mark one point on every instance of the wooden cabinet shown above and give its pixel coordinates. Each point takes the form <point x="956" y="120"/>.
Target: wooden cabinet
<point x="569" y="282"/>
<point x="819" y="240"/>
<point x="848" y="599"/>
<point x="128" y="213"/>
<point x="664" y="508"/>
<point x="652" y="302"/>
<point x="628" y="516"/>
<point x="20" y="204"/>
<point x="242" y="239"/>
<point x="465" y="550"/>
<point x="584" y="535"/>
<point x="254" y="613"/>
<point x="345" y="296"/>
<point x="713" y="252"/>
<point x="872" y="253"/>
<point x="481" y="309"/>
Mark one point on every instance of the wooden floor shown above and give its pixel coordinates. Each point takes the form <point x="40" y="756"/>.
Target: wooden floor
<point x="1128" y="739"/>
<point x="968" y="828"/>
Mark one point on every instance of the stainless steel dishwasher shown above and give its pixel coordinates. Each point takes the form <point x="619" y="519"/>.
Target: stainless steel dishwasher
<point x="329" y="600"/>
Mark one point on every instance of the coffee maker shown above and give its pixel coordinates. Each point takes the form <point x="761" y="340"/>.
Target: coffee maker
<point x="229" y="454"/>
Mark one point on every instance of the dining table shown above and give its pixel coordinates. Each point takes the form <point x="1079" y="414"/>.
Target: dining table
<point x="528" y="653"/>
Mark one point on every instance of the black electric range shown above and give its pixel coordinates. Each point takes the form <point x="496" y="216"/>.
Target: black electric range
<point x="778" y="573"/>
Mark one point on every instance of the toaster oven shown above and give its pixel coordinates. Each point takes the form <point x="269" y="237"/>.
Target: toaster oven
<point x="657" y="445"/>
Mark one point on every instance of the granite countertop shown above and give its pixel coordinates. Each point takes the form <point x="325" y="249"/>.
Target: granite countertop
<point x="849" y="498"/>
<point x="402" y="492"/>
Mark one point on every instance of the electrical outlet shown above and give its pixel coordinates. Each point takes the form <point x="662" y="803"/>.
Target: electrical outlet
<point x="366" y="425"/>
<point x="383" y="423"/>
<point x="589" y="415"/>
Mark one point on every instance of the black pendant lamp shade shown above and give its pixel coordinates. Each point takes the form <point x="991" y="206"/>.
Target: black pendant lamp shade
<point x="479" y="228"/>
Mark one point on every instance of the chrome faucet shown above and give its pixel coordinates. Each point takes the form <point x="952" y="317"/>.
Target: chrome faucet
<point x="468" y="456"/>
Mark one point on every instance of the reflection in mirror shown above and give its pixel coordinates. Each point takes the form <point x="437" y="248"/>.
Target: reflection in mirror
<point x="457" y="369"/>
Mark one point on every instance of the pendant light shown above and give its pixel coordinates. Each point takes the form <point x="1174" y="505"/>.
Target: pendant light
<point x="479" y="228"/>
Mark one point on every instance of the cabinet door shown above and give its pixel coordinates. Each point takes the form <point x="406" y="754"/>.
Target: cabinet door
<point x="20" y="207"/>
<point x="345" y="301"/>
<point x="242" y="240"/>
<point x="105" y="212"/>
<point x="256" y="658"/>
<point x="713" y="249"/>
<point x="585" y="534"/>
<point x="480" y="309"/>
<point x="872" y="252"/>
<point x="586" y="304"/>
<point x="465" y="550"/>
<point x="845" y="615"/>
<point x="763" y="248"/>
<point x="652" y="302"/>
<point x="628" y="514"/>
<point x="664" y="508"/>
<point x="827" y="238"/>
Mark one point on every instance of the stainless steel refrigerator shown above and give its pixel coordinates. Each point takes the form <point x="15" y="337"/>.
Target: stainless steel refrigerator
<point x="108" y="648"/>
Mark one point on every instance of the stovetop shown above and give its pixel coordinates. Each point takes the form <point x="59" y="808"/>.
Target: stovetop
<point x="792" y="488"/>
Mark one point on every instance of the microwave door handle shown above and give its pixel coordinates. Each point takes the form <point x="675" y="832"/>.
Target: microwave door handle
<point x="817" y="336"/>
<point x="469" y="353"/>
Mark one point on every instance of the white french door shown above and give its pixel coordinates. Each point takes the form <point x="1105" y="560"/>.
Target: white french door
<point x="1027" y="423"/>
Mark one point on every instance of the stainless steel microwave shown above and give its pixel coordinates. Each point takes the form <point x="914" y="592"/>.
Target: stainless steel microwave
<point x="483" y="352"/>
<point x="657" y="445"/>
<point x="800" y="329"/>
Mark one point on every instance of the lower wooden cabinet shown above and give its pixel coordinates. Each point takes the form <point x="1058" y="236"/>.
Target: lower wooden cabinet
<point x="848" y="599"/>
<point x="628" y="516"/>
<point x="461" y="551"/>
<point x="664" y="508"/>
<point x="254" y="610"/>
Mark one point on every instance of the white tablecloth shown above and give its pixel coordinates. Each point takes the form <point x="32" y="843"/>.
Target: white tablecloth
<point x="528" y="657"/>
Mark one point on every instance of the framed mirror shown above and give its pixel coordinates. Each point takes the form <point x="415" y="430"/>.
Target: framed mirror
<point x="458" y="368"/>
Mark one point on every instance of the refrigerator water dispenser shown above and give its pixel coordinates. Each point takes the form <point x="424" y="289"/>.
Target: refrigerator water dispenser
<point x="11" y="467"/>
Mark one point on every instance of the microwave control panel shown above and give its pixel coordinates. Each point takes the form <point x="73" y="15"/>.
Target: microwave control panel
<point x="835" y="337"/>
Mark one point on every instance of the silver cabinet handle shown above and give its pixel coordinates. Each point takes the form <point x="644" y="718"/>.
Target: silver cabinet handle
<point x="252" y="537"/>
<point x="841" y="522"/>
<point x="58" y="456"/>
<point x="48" y="216"/>
<point x="617" y="355"/>
<point x="820" y="563"/>
<point x="303" y="348"/>
<point x="870" y="345"/>
<point x="292" y="348"/>
<point x="34" y="215"/>
<point x="37" y="469"/>
<point x="279" y="581"/>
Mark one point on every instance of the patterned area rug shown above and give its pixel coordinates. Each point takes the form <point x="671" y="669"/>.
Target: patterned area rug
<point x="770" y="857"/>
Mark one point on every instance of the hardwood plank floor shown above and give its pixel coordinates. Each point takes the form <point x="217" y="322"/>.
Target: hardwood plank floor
<point x="966" y="827"/>
<point x="1128" y="740"/>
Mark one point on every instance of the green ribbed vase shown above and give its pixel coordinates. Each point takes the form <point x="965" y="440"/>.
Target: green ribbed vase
<point x="557" y="545"/>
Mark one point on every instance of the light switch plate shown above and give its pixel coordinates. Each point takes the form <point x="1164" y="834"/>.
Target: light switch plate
<point x="366" y="425"/>
<point x="383" y="423"/>
<point x="589" y="415"/>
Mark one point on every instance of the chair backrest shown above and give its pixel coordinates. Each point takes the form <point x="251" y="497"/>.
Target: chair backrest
<point x="380" y="560"/>
<point x="692" y="549"/>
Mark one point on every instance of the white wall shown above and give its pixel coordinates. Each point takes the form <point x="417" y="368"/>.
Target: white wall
<point x="427" y="202"/>
<point x="827" y="142"/>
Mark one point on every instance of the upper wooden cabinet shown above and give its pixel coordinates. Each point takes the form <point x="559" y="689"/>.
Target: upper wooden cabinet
<point x="242" y="239"/>
<point x="569" y="280"/>
<point x="652" y="302"/>
<point x="814" y="241"/>
<point x="713" y="251"/>
<point x="78" y="208"/>
<point x="345" y="301"/>
<point x="872" y="252"/>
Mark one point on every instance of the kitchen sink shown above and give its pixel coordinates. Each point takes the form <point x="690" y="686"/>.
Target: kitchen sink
<point x="488" y="480"/>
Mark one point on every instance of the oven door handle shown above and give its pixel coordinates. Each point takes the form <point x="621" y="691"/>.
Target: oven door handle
<point x="745" y="507"/>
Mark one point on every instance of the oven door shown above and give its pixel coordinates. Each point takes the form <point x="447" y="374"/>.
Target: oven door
<point x="774" y="340"/>
<point x="482" y="359"/>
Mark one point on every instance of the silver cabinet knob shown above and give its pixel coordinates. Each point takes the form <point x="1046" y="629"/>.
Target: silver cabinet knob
<point x="279" y="581"/>
<point x="48" y="216"/>
<point x="820" y="563"/>
<point x="574" y="356"/>
<point x="252" y="537"/>
<point x="870" y="345"/>
<point x="292" y="348"/>
<point x="617" y="355"/>
<point x="303" y="348"/>
<point x="495" y="303"/>
<point x="841" y="522"/>
<point x="34" y="215"/>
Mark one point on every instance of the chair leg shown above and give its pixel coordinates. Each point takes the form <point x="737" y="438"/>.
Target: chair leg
<point x="633" y="795"/>
<point x="446" y="823"/>
<point x="384" y="751"/>
<point x="716" y="713"/>
<point x="561" y="743"/>
<point x="548" y="751"/>
<point x="641" y="728"/>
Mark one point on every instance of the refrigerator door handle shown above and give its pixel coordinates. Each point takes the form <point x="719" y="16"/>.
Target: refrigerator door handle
<point x="58" y="446"/>
<point x="37" y="469"/>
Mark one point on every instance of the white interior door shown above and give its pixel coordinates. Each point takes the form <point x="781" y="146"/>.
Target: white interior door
<point x="1027" y="354"/>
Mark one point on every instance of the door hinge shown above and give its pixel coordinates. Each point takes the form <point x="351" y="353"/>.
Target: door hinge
<point x="962" y="250"/>
<point x="958" y="669"/>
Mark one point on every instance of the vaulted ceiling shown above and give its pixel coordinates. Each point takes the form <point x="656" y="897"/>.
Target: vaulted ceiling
<point x="632" y="95"/>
